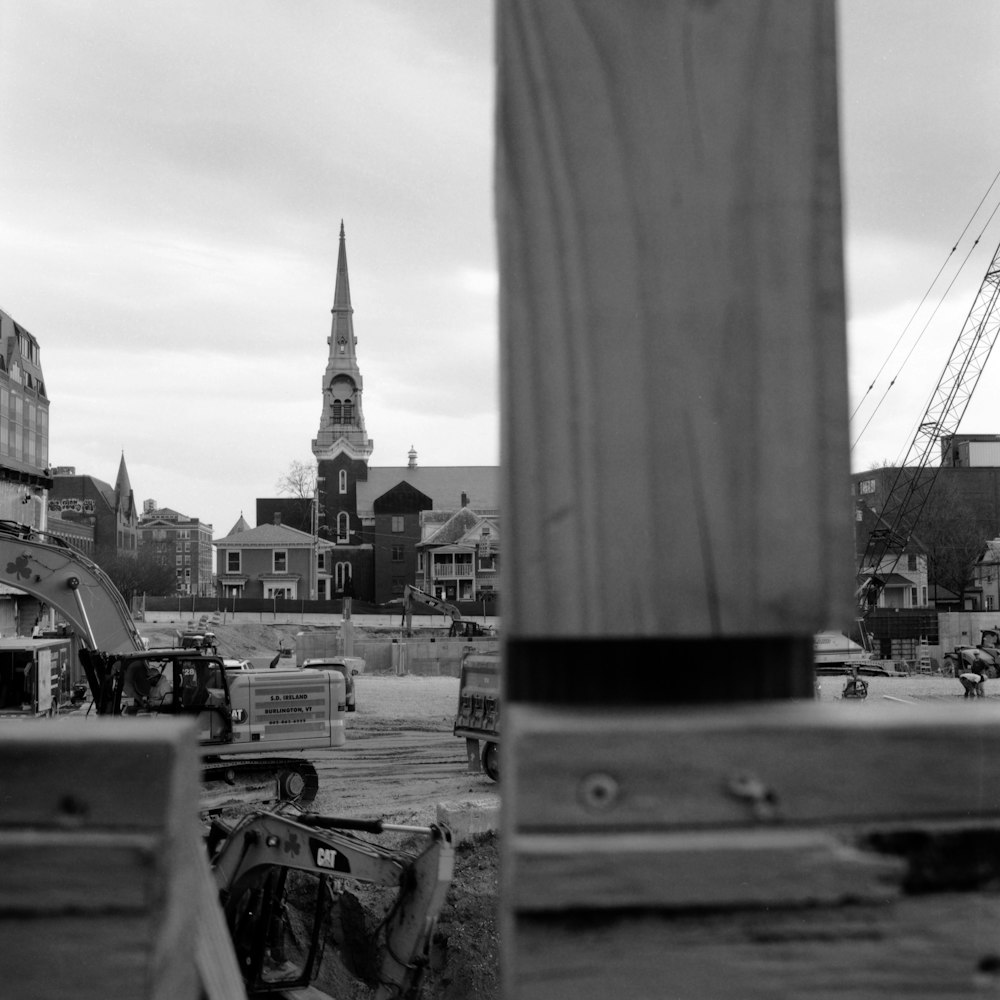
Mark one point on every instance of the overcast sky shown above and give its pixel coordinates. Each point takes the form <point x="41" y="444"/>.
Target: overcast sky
<point x="174" y="176"/>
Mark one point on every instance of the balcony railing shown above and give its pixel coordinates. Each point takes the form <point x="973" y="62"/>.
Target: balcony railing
<point x="443" y="570"/>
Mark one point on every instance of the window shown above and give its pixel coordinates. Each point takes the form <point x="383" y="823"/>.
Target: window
<point x="337" y="411"/>
<point x="280" y="561"/>
<point x="341" y="573"/>
<point x="233" y="561"/>
<point x="913" y="597"/>
<point x="866" y="486"/>
<point x="343" y="527"/>
<point x="397" y="524"/>
<point x="911" y="562"/>
<point x="342" y="479"/>
<point x="397" y="553"/>
<point x="397" y="584"/>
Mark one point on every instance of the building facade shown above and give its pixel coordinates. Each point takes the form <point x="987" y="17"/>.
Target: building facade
<point x="110" y="512"/>
<point x="179" y="541"/>
<point x="458" y="555"/>
<point x="25" y="476"/>
<point x="270" y="561"/>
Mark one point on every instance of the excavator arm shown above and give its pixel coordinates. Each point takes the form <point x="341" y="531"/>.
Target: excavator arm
<point x="413" y="597"/>
<point x="279" y="875"/>
<point x="46" y="567"/>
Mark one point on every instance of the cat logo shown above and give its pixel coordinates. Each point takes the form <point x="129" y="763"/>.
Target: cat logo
<point x="326" y="857"/>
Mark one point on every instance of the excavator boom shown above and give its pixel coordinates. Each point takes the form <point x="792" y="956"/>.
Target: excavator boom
<point x="46" y="567"/>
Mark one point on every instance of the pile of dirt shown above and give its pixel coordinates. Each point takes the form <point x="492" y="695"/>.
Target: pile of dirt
<point x="241" y="640"/>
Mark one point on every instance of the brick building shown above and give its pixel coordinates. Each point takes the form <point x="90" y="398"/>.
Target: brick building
<point x="179" y="541"/>
<point x="109" y="512"/>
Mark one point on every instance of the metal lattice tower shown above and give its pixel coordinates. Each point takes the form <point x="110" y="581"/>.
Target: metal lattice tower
<point x="916" y="476"/>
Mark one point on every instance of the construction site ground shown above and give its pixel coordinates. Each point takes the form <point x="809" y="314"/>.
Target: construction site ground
<point x="400" y="761"/>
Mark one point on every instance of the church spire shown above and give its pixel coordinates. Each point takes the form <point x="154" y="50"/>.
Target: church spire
<point x="342" y="422"/>
<point x="123" y="487"/>
<point x="342" y="291"/>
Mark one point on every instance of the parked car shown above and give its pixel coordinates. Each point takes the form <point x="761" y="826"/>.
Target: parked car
<point x="349" y="666"/>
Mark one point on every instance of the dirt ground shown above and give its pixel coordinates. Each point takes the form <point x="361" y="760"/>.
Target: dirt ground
<point x="400" y="761"/>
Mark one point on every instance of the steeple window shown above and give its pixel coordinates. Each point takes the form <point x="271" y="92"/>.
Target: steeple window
<point x="343" y="527"/>
<point x="342" y="479"/>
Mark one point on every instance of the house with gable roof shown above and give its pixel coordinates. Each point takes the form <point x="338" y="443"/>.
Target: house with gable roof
<point x="270" y="561"/>
<point x="458" y="557"/>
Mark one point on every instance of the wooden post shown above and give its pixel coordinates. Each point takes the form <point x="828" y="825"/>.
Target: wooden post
<point x="106" y="890"/>
<point x="676" y="468"/>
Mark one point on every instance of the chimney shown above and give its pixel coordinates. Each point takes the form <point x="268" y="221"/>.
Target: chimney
<point x="465" y="499"/>
<point x="277" y="517"/>
<point x="412" y="455"/>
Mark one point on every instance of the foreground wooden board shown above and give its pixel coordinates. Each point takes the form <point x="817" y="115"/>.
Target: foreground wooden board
<point x="106" y="890"/>
<point x="765" y="850"/>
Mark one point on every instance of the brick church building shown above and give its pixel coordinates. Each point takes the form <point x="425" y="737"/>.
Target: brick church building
<point x="375" y="517"/>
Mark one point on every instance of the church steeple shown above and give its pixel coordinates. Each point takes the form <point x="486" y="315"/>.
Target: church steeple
<point x="342" y="290"/>
<point x="123" y="486"/>
<point x="342" y="422"/>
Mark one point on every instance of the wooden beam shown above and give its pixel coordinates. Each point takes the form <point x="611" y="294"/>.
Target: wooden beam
<point x="672" y="321"/>
<point x="675" y="478"/>
<point x="104" y="866"/>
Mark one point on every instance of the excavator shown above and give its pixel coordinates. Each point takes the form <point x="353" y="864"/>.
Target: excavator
<point x="283" y="877"/>
<point x="244" y="720"/>
<point x="463" y="627"/>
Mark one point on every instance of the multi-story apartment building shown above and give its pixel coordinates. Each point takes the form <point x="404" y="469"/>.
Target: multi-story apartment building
<point x="179" y="541"/>
<point x="25" y="477"/>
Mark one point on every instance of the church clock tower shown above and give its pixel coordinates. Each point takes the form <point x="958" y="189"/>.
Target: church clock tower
<point x="342" y="446"/>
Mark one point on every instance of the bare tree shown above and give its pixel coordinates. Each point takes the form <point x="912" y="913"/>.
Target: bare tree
<point x="299" y="480"/>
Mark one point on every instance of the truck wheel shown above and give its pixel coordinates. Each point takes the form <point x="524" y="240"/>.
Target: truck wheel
<point x="491" y="760"/>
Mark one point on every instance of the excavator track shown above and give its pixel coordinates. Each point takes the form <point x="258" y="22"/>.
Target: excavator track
<point x="234" y="781"/>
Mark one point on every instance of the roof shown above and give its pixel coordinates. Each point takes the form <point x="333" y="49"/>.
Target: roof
<point x="241" y="525"/>
<point x="444" y="484"/>
<point x="463" y="529"/>
<point x="271" y="536"/>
